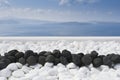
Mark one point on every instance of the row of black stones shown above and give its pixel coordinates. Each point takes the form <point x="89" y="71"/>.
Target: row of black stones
<point x="64" y="57"/>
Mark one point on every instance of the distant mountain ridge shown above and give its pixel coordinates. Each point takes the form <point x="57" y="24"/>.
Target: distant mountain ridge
<point x="22" y="21"/>
<point x="30" y="21"/>
<point x="27" y="27"/>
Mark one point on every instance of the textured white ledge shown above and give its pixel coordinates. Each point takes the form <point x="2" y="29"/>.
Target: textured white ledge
<point x="96" y="38"/>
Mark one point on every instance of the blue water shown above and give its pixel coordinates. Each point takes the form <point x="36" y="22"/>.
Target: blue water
<point x="59" y="29"/>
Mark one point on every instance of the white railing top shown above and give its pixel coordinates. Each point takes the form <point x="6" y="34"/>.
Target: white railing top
<point x="72" y="38"/>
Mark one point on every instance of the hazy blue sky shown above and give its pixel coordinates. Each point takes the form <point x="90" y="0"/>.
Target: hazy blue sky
<point x="73" y="17"/>
<point x="61" y="10"/>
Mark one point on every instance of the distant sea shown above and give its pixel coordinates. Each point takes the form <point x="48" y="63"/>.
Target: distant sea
<point x="44" y="28"/>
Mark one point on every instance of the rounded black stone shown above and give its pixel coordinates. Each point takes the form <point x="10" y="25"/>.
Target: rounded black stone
<point x="47" y="53"/>
<point x="31" y="60"/>
<point x="2" y="65"/>
<point x="57" y="53"/>
<point x="36" y="55"/>
<point x="67" y="54"/>
<point x="76" y="60"/>
<point x="57" y="61"/>
<point x="22" y="60"/>
<point x="19" y="55"/>
<point x="115" y="59"/>
<point x="94" y="54"/>
<point x="41" y="60"/>
<point x="11" y="53"/>
<point x="2" y="57"/>
<point x="107" y="61"/>
<point x="63" y="60"/>
<point x="28" y="53"/>
<point x="81" y="55"/>
<point x="11" y="58"/>
<point x="50" y="58"/>
<point x="86" y="60"/>
<point x="97" y="62"/>
<point x="101" y="56"/>
<point x="5" y="60"/>
<point x="110" y="55"/>
<point x="42" y="53"/>
<point x="6" y="54"/>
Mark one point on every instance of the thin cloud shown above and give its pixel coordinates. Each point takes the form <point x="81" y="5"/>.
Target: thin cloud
<point x="54" y="15"/>
<point x="64" y="2"/>
<point x="4" y="3"/>
<point x="37" y="14"/>
<point x="87" y="1"/>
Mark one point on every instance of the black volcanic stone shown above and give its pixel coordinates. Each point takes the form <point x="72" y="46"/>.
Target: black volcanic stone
<point x="2" y="57"/>
<point x="57" y="61"/>
<point x="110" y="55"/>
<point x="11" y="58"/>
<point x="28" y="53"/>
<point x="6" y="54"/>
<point x="76" y="60"/>
<point x="56" y="53"/>
<point x="41" y="60"/>
<point x="19" y="55"/>
<point x="63" y="60"/>
<point x="31" y="60"/>
<point x="67" y="54"/>
<point x="50" y="58"/>
<point x="22" y="60"/>
<point x="36" y="55"/>
<point x="86" y="60"/>
<point x="6" y="60"/>
<point x="107" y="61"/>
<point x="11" y="53"/>
<point x="2" y="65"/>
<point x="115" y="59"/>
<point x="97" y="62"/>
<point x="94" y="54"/>
<point x="47" y="53"/>
<point x="42" y="53"/>
<point x="101" y="56"/>
<point x="81" y="55"/>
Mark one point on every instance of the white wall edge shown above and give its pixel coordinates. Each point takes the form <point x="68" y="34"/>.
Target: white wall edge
<point x="37" y="38"/>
